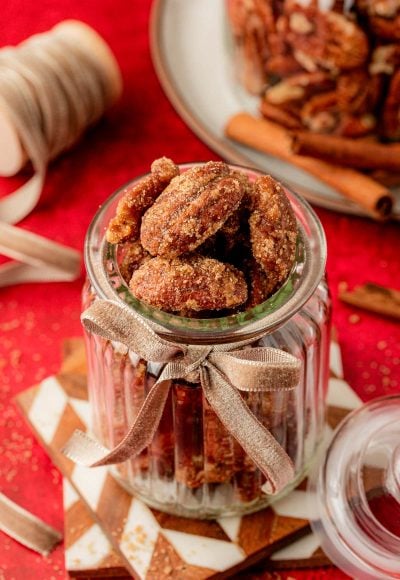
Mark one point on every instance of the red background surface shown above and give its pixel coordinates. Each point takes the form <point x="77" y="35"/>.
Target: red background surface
<point x="34" y="319"/>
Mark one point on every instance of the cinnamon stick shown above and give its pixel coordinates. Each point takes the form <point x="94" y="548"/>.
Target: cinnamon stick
<point x="274" y="140"/>
<point x="375" y="298"/>
<point x="359" y="153"/>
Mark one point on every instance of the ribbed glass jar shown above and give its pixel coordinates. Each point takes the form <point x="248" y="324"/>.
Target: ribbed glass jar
<point x="193" y="467"/>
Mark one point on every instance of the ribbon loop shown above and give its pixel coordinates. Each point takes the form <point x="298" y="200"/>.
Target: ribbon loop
<point x="261" y="369"/>
<point x="222" y="374"/>
<point x="119" y="323"/>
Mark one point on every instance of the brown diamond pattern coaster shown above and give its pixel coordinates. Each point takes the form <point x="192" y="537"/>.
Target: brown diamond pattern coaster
<point x="111" y="533"/>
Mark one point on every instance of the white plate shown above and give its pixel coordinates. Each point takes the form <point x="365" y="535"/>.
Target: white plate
<point x="192" y="56"/>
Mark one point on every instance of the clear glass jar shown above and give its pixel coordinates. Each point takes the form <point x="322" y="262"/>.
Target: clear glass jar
<point x="323" y="66"/>
<point x="193" y="467"/>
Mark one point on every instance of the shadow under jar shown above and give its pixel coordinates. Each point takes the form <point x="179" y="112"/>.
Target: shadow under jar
<point x="193" y="466"/>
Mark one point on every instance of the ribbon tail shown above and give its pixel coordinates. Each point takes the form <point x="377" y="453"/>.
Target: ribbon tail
<point x="26" y="528"/>
<point x="256" y="440"/>
<point x="86" y="451"/>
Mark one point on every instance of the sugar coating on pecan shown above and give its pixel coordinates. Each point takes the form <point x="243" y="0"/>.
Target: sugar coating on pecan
<point x="133" y="255"/>
<point x="192" y="208"/>
<point x="273" y="229"/>
<point x="193" y="283"/>
<point x="260" y="284"/>
<point x="137" y="198"/>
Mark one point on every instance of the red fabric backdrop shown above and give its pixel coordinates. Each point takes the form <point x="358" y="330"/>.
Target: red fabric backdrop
<point x="34" y="319"/>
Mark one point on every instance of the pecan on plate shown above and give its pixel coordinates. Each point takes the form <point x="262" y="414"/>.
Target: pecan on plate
<point x="383" y="17"/>
<point x="358" y="92"/>
<point x="191" y="209"/>
<point x="354" y="126"/>
<point x="320" y="113"/>
<point x="391" y="110"/>
<point x="283" y="101"/>
<point x="191" y="283"/>
<point x="325" y="40"/>
<point x="299" y="87"/>
<point x="273" y="229"/>
<point x="385" y="59"/>
<point x="251" y="23"/>
<point x="288" y="116"/>
<point x="137" y="198"/>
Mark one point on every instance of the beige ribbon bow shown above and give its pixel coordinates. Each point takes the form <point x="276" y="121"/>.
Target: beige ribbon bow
<point x="222" y="371"/>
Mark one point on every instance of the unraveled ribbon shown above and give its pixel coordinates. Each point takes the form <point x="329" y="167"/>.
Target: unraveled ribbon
<point x="52" y="87"/>
<point x="222" y="370"/>
<point x="26" y="528"/>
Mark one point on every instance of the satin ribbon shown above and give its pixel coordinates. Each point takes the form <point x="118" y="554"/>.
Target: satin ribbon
<point x="51" y="90"/>
<point x="223" y="372"/>
<point x="26" y="528"/>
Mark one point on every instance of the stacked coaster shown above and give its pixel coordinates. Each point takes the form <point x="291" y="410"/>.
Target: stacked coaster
<point x="110" y="533"/>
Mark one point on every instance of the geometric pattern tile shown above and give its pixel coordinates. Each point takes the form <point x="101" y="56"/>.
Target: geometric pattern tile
<point x="122" y="536"/>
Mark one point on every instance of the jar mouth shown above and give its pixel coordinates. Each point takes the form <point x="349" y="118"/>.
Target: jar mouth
<point x="308" y="269"/>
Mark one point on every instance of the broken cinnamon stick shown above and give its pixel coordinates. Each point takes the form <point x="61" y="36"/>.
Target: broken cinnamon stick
<point x="359" y="153"/>
<point x="274" y="140"/>
<point x="375" y="298"/>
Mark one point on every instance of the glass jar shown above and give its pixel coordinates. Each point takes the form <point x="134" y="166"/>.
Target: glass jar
<point x="325" y="67"/>
<point x="193" y="466"/>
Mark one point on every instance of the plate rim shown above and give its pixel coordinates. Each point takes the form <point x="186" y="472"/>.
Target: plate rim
<point x="229" y="153"/>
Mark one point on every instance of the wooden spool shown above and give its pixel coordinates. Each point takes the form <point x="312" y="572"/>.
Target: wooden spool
<point x="12" y="154"/>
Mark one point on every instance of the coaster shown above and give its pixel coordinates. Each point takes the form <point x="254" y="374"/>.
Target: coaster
<point x="148" y="543"/>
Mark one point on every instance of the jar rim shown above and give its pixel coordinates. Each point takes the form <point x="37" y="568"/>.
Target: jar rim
<point x="100" y="261"/>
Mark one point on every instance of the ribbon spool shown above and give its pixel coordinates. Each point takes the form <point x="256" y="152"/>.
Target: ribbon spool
<point x="53" y="86"/>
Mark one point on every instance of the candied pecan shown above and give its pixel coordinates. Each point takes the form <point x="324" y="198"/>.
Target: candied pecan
<point x="191" y="209"/>
<point x="221" y="244"/>
<point x="133" y="255"/>
<point x="273" y="229"/>
<point x="218" y="448"/>
<point x="260" y="284"/>
<point x="391" y="110"/>
<point x="162" y="447"/>
<point x="191" y="283"/>
<point x="326" y="40"/>
<point x="188" y="427"/>
<point x="137" y="198"/>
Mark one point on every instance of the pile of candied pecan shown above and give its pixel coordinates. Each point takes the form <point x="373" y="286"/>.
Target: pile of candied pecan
<point x="328" y="67"/>
<point x="204" y="240"/>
